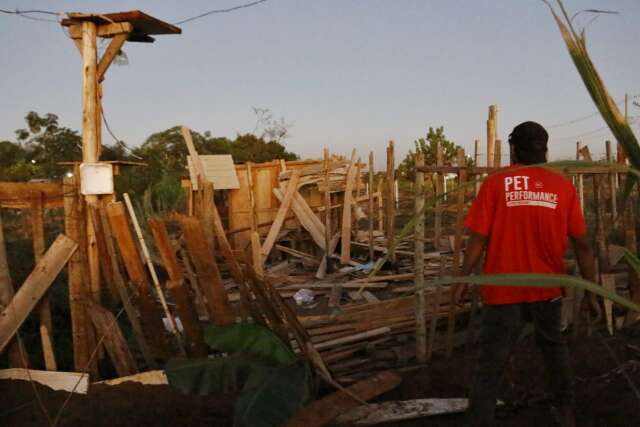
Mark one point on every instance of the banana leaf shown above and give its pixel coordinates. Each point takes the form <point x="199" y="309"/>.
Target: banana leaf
<point x="538" y="280"/>
<point x="250" y="339"/>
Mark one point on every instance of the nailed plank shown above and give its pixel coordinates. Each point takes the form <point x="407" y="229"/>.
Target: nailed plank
<point x="184" y="304"/>
<point x="34" y="287"/>
<point x="113" y="340"/>
<point x="345" y="247"/>
<point x="209" y="279"/>
<point x="76" y="382"/>
<point x="291" y="189"/>
<point x="323" y="411"/>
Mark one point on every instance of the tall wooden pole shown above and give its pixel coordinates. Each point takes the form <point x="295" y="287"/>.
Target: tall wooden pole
<point x="497" y="158"/>
<point x="421" y="328"/>
<point x="612" y="183"/>
<point x="327" y="206"/>
<point x="476" y="163"/>
<point x="439" y="181"/>
<point x="391" y="204"/>
<point x="580" y="181"/>
<point x="372" y="213"/>
<point x="491" y="134"/>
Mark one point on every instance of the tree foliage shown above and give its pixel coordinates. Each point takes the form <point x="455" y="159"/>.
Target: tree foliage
<point x="427" y="146"/>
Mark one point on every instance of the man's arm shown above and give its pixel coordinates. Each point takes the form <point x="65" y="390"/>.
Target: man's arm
<point x="585" y="258"/>
<point x="473" y="252"/>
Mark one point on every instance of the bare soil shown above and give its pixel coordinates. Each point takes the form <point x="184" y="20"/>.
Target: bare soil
<point x="604" y="396"/>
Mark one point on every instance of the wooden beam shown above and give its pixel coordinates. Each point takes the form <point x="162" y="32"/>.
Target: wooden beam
<point x="209" y="279"/>
<point x="34" y="287"/>
<point x="274" y="231"/>
<point x="439" y="189"/>
<point x="104" y="30"/>
<point x="372" y="213"/>
<point x="305" y="215"/>
<point x="178" y="289"/>
<point x="390" y="202"/>
<point x="107" y="327"/>
<point x="345" y="245"/>
<point x="613" y="178"/>
<point x="72" y="382"/>
<point x="110" y="53"/>
<point x="421" y="328"/>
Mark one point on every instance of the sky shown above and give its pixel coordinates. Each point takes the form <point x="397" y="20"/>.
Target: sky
<point x="343" y="73"/>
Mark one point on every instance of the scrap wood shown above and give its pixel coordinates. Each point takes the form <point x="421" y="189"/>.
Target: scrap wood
<point x="147" y="378"/>
<point x="385" y="412"/>
<point x="290" y="189"/>
<point x="326" y="409"/>
<point x="73" y="382"/>
<point x="34" y="287"/>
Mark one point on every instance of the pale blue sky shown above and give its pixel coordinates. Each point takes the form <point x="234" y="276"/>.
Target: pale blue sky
<point x="344" y="73"/>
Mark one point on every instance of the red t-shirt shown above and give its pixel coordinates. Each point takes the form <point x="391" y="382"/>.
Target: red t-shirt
<point x="527" y="214"/>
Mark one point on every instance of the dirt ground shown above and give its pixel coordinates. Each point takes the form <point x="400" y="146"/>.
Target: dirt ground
<point x="604" y="397"/>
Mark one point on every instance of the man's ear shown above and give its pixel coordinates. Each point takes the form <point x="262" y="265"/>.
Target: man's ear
<point x="512" y="154"/>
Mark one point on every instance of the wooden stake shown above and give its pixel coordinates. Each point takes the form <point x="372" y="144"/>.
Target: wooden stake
<point x="421" y="330"/>
<point x="34" y="287"/>
<point x="381" y="216"/>
<point x="476" y="163"/>
<point x="322" y="270"/>
<point x="391" y="204"/>
<point x="439" y="184"/>
<point x="580" y="183"/>
<point x="372" y="212"/>
<point x="497" y="161"/>
<point x="612" y="184"/>
<point x="491" y="135"/>
<point x="278" y="222"/>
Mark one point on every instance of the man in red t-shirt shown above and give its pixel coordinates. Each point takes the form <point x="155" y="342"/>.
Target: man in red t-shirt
<point x="522" y="217"/>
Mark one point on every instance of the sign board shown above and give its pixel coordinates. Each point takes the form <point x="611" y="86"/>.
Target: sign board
<point x="218" y="168"/>
<point x="96" y="178"/>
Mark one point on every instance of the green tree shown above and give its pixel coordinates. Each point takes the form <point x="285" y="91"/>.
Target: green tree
<point x="427" y="146"/>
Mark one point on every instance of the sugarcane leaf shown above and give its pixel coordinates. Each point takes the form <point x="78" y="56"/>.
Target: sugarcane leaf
<point x="251" y="339"/>
<point x="538" y="280"/>
<point x="632" y="260"/>
<point x="273" y="401"/>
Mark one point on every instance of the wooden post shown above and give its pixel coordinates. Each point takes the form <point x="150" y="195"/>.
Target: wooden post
<point x="580" y="183"/>
<point x="44" y="308"/>
<point x="381" y="217"/>
<point x="372" y="212"/>
<point x="491" y="134"/>
<point x="457" y="250"/>
<point x="18" y="357"/>
<point x="421" y="328"/>
<point x="75" y="228"/>
<point x="391" y="204"/>
<point x="278" y="222"/>
<point x="497" y="160"/>
<point x="437" y="208"/>
<point x="327" y="211"/>
<point x="476" y="163"/>
<point x="345" y="244"/>
<point x="612" y="184"/>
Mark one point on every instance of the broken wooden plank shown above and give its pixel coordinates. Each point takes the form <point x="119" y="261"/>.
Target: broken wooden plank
<point x="113" y="340"/>
<point x="147" y="378"/>
<point x="76" y="382"/>
<point x="274" y="231"/>
<point x="209" y="279"/>
<point x="34" y="287"/>
<point x="394" y="411"/>
<point x="305" y="215"/>
<point x="323" y="411"/>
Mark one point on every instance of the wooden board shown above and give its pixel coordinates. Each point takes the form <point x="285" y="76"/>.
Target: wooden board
<point x="113" y="340"/>
<point x="18" y="195"/>
<point x="218" y="169"/>
<point x="34" y="287"/>
<point x="75" y="382"/>
<point x="146" y="378"/>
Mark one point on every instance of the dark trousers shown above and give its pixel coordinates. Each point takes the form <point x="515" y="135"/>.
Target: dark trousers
<point x="501" y="327"/>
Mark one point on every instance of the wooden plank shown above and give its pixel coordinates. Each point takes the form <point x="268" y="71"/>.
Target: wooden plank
<point x="218" y="169"/>
<point x="104" y="30"/>
<point x="323" y="411"/>
<point x="146" y="378"/>
<point x="274" y="231"/>
<point x="107" y="327"/>
<point x="34" y="287"/>
<point x="347" y="210"/>
<point x="209" y="279"/>
<point x="400" y="410"/>
<point x="322" y="270"/>
<point x="302" y="213"/>
<point x="439" y="189"/>
<point x="151" y="317"/>
<point x="371" y="207"/>
<point x="110" y="53"/>
<point x="76" y="382"/>
<point x="608" y="282"/>
<point x="421" y="328"/>
<point x="256" y="255"/>
<point x="17" y="195"/>
<point x="111" y="257"/>
<point x="44" y="307"/>
<point x="613" y="190"/>
<point x="18" y="357"/>
<point x="178" y="289"/>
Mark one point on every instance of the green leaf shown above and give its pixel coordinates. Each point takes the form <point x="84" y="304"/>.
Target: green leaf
<point x="251" y="339"/>
<point x="538" y="280"/>
<point x="275" y="400"/>
<point x="632" y="260"/>
<point x="206" y="376"/>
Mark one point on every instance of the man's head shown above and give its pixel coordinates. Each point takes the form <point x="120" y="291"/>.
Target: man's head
<point x="528" y="143"/>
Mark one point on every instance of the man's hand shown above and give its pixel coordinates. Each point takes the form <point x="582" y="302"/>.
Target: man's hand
<point x="472" y="255"/>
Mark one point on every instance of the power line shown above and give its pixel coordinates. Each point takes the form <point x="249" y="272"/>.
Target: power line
<point x="588" y="116"/>
<point x="25" y="14"/>
<point x="117" y="140"/>
<point x="211" y="12"/>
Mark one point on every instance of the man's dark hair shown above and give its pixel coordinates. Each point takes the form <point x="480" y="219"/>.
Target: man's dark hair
<point x="529" y="140"/>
